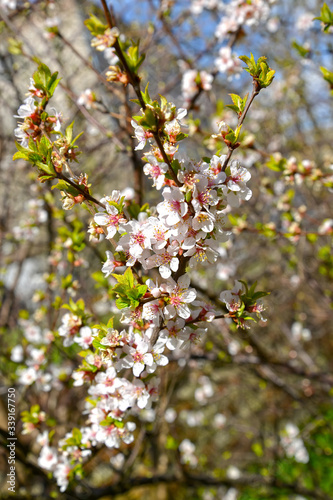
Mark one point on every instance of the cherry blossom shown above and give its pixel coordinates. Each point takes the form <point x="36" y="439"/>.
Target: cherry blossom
<point x="179" y="296"/>
<point x="137" y="356"/>
<point x="155" y="170"/>
<point x="174" y="207"/>
<point x="111" y="216"/>
<point x="175" y="334"/>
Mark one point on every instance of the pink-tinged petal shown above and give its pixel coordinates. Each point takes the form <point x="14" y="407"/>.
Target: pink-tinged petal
<point x="183" y="311"/>
<point x="184" y="281"/>
<point x="101" y="219"/>
<point x="148" y="359"/>
<point x="172" y="343"/>
<point x="181" y="113"/>
<point x="174" y="264"/>
<point x="170" y="312"/>
<point x="163" y="360"/>
<point x="165" y="272"/>
<point x="173" y="218"/>
<point x="135" y="251"/>
<point x="189" y="296"/>
<point x="138" y="369"/>
<point x="111" y="231"/>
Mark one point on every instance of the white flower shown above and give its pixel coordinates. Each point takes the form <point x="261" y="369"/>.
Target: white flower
<point x="304" y="21"/>
<point x="110" y="264"/>
<point x="118" y="461"/>
<point x="86" y="337"/>
<point x="61" y="474"/>
<point x="159" y="358"/>
<point x="203" y="221"/>
<point x="110" y="216"/>
<point x="152" y="311"/>
<point x="179" y="296"/>
<point x="156" y="170"/>
<point x="187" y="449"/>
<point x="27" y="108"/>
<point x="175" y="334"/>
<point x="28" y="376"/>
<point x="233" y="472"/>
<point x="231" y="298"/>
<point x="86" y="98"/>
<point x="293" y="444"/>
<point x="141" y="134"/>
<point x="194" y="80"/>
<point x="174" y="207"/>
<point x="137" y="357"/>
<point x="105" y="40"/>
<point x="48" y="458"/>
<point x="203" y="196"/>
<point x="16" y="354"/>
<point x="227" y="62"/>
<point x="136" y="239"/>
<point x="165" y="260"/>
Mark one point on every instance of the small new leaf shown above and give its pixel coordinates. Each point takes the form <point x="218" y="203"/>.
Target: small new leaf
<point x="95" y="26"/>
<point x="326" y="17"/>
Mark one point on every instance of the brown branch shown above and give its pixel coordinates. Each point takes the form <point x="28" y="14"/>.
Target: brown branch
<point x="255" y="92"/>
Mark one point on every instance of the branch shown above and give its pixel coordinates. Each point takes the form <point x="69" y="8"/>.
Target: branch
<point x="255" y="92"/>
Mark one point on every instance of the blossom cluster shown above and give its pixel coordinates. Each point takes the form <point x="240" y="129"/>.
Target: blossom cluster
<point x="185" y="228"/>
<point x="233" y="18"/>
<point x="153" y="255"/>
<point x="31" y="113"/>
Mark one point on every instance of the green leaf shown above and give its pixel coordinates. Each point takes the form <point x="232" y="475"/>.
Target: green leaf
<point x="260" y="71"/>
<point x="53" y="83"/>
<point x="19" y="155"/>
<point x="14" y="46"/>
<point x="328" y="75"/>
<point x="95" y="26"/>
<point x="278" y="165"/>
<point x="126" y="278"/>
<point x="303" y="51"/>
<point x="133" y="59"/>
<point x="121" y="303"/>
<point x="326" y="17"/>
<point x="69" y="132"/>
<point x="64" y="186"/>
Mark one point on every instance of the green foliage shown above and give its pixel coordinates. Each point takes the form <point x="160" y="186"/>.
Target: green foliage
<point x="69" y="135"/>
<point x="326" y="17"/>
<point x="33" y="416"/>
<point x="276" y="164"/>
<point x="146" y="98"/>
<point x="134" y="209"/>
<point x="14" y="46"/>
<point x="77" y="308"/>
<point x="64" y="186"/>
<point x="238" y="103"/>
<point x="95" y="26"/>
<point x="301" y="49"/>
<point x="38" y="154"/>
<point x="259" y="70"/>
<point x="231" y="138"/>
<point x="250" y="297"/>
<point x="128" y="290"/>
<point x="328" y="76"/>
<point x="133" y="57"/>
<point x="74" y="440"/>
<point x="45" y="81"/>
